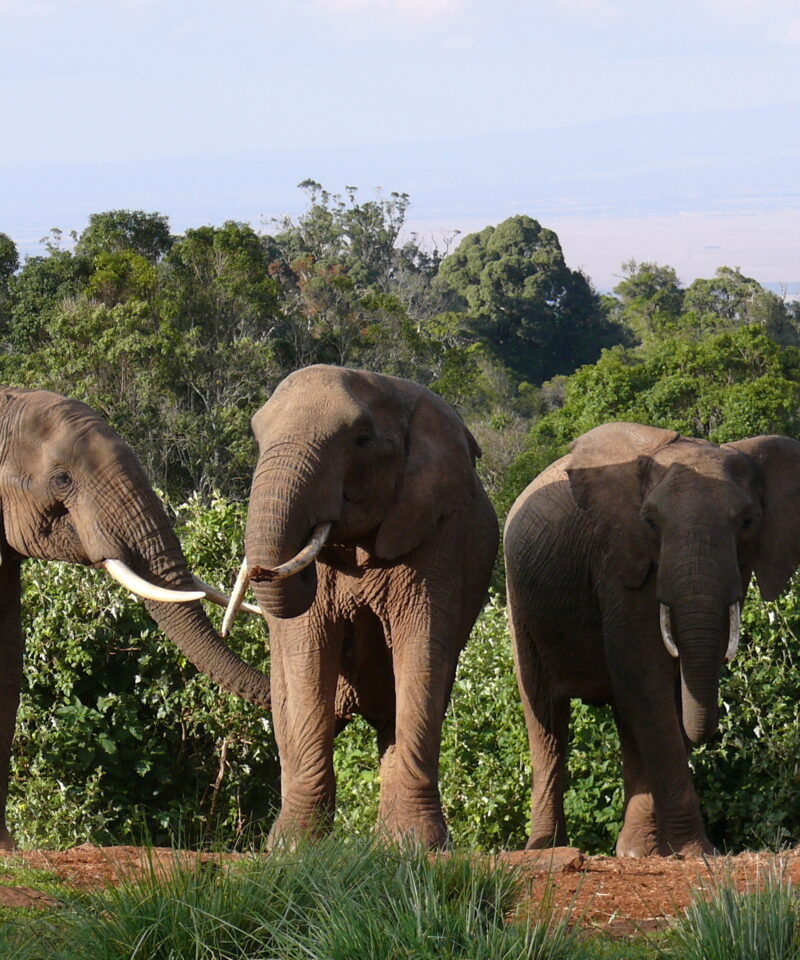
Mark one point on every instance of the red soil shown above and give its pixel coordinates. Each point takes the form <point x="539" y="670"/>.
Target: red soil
<point x="607" y="894"/>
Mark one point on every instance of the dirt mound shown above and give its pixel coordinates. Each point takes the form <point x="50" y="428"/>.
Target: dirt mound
<point x="617" y="896"/>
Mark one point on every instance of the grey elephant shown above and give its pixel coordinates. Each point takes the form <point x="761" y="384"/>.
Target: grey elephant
<point x="627" y="562"/>
<point x="369" y="545"/>
<point x="71" y="489"/>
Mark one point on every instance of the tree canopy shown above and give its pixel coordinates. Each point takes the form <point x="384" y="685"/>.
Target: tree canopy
<point x="177" y="339"/>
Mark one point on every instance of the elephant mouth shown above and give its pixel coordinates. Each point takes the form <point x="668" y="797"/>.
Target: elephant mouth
<point x="298" y="562"/>
<point x="734" y="630"/>
<point x="258" y="574"/>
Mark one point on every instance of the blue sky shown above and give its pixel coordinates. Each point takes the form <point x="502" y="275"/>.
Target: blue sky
<point x="654" y="130"/>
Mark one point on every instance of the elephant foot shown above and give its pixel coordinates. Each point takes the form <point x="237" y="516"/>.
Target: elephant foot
<point x="636" y="851"/>
<point x="546" y="841"/>
<point x="7" y="842"/>
<point x="423" y="829"/>
<point x="700" y="847"/>
<point x="290" y="829"/>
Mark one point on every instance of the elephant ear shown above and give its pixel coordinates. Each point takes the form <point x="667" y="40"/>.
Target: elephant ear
<point x="777" y="553"/>
<point x="608" y="469"/>
<point x="438" y="477"/>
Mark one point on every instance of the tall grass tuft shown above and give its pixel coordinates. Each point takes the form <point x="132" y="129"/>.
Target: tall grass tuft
<point x="333" y="900"/>
<point x="761" y="923"/>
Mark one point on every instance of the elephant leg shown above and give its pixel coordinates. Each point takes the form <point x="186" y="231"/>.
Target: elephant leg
<point x="644" y="697"/>
<point x="11" y="651"/>
<point x="639" y="834"/>
<point x="424" y="668"/>
<point x="547" y="720"/>
<point x="306" y="657"/>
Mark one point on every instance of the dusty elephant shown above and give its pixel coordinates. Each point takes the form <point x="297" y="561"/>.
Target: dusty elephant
<point x="372" y="619"/>
<point x="71" y="489"/>
<point x="627" y="562"/>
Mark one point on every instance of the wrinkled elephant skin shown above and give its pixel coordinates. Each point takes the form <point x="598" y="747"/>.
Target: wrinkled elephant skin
<point x="627" y="562"/>
<point x="375" y="624"/>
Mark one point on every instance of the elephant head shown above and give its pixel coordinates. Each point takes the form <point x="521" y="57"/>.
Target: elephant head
<point x="71" y="489"/>
<point x="692" y="520"/>
<point x="355" y="457"/>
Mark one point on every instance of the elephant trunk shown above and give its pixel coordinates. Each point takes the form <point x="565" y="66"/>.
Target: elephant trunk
<point x="156" y="555"/>
<point x="287" y="505"/>
<point x="702" y="634"/>
<point x="697" y="588"/>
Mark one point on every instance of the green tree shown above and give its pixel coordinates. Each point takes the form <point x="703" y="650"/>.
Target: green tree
<point x="650" y="298"/>
<point x="9" y="264"/>
<point x="724" y="387"/>
<point x="39" y="289"/>
<point x="118" y="231"/>
<point x="518" y="297"/>
<point x="731" y="299"/>
<point x="121" y="276"/>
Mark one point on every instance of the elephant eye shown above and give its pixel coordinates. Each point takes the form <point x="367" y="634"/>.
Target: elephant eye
<point x="62" y="481"/>
<point x="363" y="440"/>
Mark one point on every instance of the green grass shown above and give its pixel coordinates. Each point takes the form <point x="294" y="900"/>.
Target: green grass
<point x="762" y="923"/>
<point x="329" y="901"/>
<point x="353" y="900"/>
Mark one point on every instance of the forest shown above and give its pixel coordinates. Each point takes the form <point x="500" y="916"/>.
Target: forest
<point x="177" y="339"/>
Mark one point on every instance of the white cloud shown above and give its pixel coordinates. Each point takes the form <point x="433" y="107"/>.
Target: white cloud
<point x="792" y="34"/>
<point x="597" y="9"/>
<point x="406" y="10"/>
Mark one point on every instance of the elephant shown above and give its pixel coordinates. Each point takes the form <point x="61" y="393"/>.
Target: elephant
<point x="369" y="545"/>
<point x="71" y="489"/>
<point x="627" y="562"/>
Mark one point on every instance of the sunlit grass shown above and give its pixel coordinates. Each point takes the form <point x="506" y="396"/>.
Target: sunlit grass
<point x="333" y="899"/>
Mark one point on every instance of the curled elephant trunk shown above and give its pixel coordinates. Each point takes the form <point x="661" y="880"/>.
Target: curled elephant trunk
<point x="283" y="571"/>
<point x="298" y="562"/>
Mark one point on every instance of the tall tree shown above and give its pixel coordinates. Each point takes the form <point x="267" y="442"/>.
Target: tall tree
<point x="650" y="298"/>
<point x="9" y="263"/>
<point x="518" y="296"/>
<point x="117" y="231"/>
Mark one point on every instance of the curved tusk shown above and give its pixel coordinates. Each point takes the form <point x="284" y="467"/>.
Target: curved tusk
<point x="237" y="598"/>
<point x="215" y="595"/>
<point x="123" y="574"/>
<point x="735" y="615"/>
<point x="666" y="630"/>
<point x="306" y="556"/>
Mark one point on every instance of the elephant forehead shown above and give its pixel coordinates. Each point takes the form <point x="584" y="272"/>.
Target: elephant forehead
<point x="701" y="483"/>
<point x="322" y="399"/>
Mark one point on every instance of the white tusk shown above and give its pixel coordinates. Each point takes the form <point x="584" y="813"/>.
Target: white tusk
<point x="299" y="562"/>
<point x="123" y="574"/>
<point x="237" y="598"/>
<point x="221" y="599"/>
<point x="735" y="615"/>
<point x="666" y="631"/>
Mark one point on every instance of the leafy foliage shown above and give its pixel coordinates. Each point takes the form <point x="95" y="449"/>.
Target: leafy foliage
<point x="518" y="296"/>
